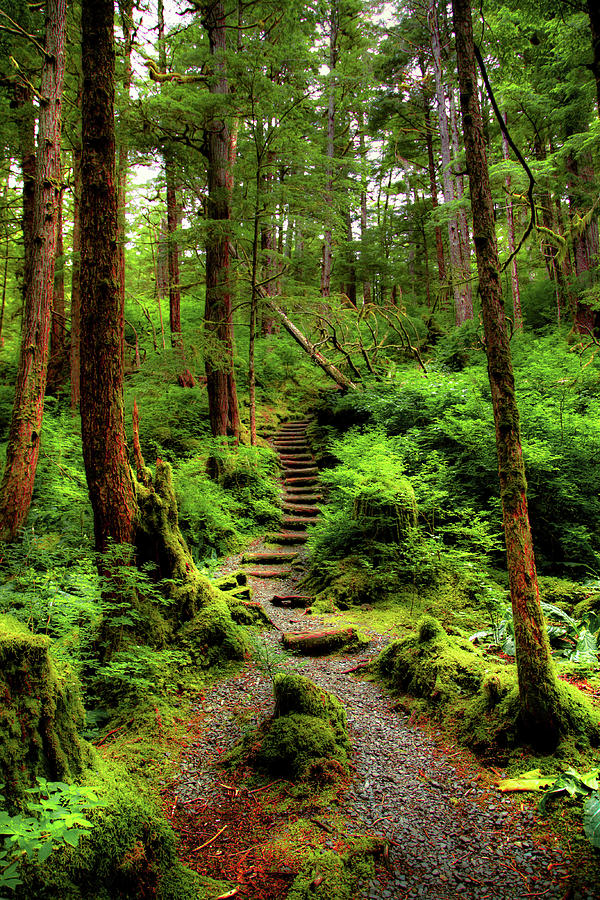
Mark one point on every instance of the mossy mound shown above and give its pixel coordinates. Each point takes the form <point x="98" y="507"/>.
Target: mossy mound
<point x="307" y="734"/>
<point x="431" y="664"/>
<point x="212" y="636"/>
<point x="333" y="876"/>
<point x="40" y="713"/>
<point x="389" y="521"/>
<point x="130" y="852"/>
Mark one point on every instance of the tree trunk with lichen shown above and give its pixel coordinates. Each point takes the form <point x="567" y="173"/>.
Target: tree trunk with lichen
<point x="24" y="437"/>
<point x="538" y="686"/>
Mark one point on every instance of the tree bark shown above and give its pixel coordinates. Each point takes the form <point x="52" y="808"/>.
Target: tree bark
<point x="24" y="437"/>
<point x="594" y="14"/>
<point x="76" y="281"/>
<point x="125" y="11"/>
<point x="23" y="102"/>
<point x="510" y="220"/>
<point x="439" y="243"/>
<point x="327" y="251"/>
<point x="107" y="468"/>
<point x="222" y="395"/>
<point x="461" y="306"/>
<point x="585" y="239"/>
<point x="538" y="687"/>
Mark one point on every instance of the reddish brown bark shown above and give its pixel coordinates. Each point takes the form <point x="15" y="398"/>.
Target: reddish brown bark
<point x="439" y="243"/>
<point x="537" y="681"/>
<point x="76" y="281"/>
<point x="173" y="254"/>
<point x="102" y="326"/>
<point x="23" y="102"/>
<point x="125" y="12"/>
<point x="222" y="397"/>
<point x="510" y="220"/>
<point x="24" y="436"/>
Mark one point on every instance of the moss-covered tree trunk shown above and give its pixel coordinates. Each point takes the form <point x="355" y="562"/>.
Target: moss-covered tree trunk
<point x="220" y="384"/>
<point x="537" y="681"/>
<point x="24" y="437"/>
<point x="110" y="483"/>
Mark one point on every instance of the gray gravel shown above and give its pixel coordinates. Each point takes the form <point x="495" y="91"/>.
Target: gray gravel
<point x="448" y="835"/>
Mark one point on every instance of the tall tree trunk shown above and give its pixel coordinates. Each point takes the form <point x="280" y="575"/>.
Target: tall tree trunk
<point x="172" y="209"/>
<point x="463" y="225"/>
<point x="107" y="468"/>
<point x="510" y="220"/>
<point x="585" y="239"/>
<point x="57" y="361"/>
<point x="76" y="281"/>
<point x="461" y="306"/>
<point x="24" y="437"/>
<point x="327" y="251"/>
<point x="554" y="265"/>
<point x="439" y="243"/>
<point x="125" y="12"/>
<point x="222" y="397"/>
<point x="538" y="687"/>
<point x="267" y="240"/>
<point x="23" y="102"/>
<point x="594" y="14"/>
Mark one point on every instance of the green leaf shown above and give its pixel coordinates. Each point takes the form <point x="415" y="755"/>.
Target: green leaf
<point x="45" y="850"/>
<point x="591" y="819"/>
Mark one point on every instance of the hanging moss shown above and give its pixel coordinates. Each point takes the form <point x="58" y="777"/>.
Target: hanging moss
<point x="40" y="713"/>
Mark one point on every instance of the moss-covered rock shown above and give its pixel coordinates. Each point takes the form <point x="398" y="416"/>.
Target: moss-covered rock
<point x="431" y="664"/>
<point x="40" y="713"/>
<point x="212" y="636"/>
<point x="335" y="876"/>
<point x="307" y="733"/>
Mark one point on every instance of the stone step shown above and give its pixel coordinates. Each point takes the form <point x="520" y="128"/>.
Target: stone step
<point x="294" y="601"/>
<point x="298" y="510"/>
<point x="270" y="556"/>
<point x="282" y="572"/>
<point x="286" y="537"/>
<point x="296" y="522"/>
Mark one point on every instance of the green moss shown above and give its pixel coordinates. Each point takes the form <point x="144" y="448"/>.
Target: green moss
<point x="296" y="694"/>
<point x="291" y="744"/>
<point x="332" y="876"/>
<point x="431" y="664"/>
<point x="212" y="636"/>
<point x="40" y="713"/>
<point x="130" y="852"/>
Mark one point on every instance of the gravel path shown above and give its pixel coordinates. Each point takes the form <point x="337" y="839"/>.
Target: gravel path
<point x="449" y="833"/>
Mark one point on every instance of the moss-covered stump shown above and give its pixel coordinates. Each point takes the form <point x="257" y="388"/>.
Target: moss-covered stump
<point x="319" y="643"/>
<point x="212" y="636"/>
<point x="307" y="737"/>
<point x="40" y="713"/>
<point x="130" y="852"/>
<point x="159" y="541"/>
<point x="333" y="876"/>
<point x="389" y="521"/>
<point x="431" y="664"/>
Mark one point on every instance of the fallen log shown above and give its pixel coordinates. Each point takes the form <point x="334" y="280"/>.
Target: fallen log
<point x="270" y="556"/>
<point x="295" y="601"/>
<point x="320" y="642"/>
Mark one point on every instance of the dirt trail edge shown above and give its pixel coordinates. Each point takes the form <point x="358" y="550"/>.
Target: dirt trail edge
<point x="449" y="833"/>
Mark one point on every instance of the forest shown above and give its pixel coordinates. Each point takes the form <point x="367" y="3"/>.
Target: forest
<point x="300" y="424"/>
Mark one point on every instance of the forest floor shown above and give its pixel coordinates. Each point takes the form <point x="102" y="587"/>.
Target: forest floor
<point x="443" y="827"/>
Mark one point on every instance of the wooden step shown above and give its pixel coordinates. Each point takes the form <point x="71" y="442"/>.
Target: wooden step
<point x="304" y="499"/>
<point x="296" y="444"/>
<point x="301" y="481"/>
<point x="270" y="556"/>
<point x="302" y="473"/>
<point x="300" y="462"/>
<point x="296" y="522"/>
<point x="320" y="642"/>
<point x="295" y="601"/>
<point x="286" y="537"/>
<point x="270" y="573"/>
<point x="297" y="509"/>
